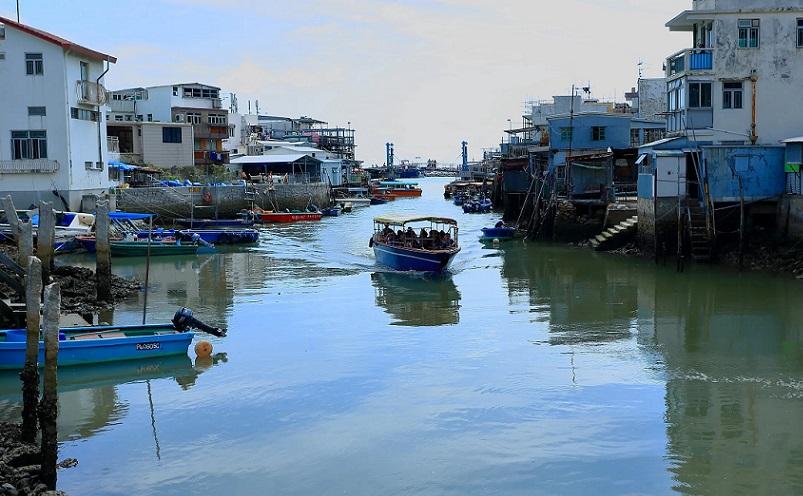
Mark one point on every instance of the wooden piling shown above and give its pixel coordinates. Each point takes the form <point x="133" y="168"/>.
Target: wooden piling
<point x="24" y="232"/>
<point x="11" y="212"/>
<point x="30" y="373"/>
<point x="103" y="261"/>
<point x="48" y="408"/>
<point x="46" y="239"/>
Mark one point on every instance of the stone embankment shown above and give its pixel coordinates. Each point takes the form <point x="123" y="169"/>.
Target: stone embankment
<point x="20" y="465"/>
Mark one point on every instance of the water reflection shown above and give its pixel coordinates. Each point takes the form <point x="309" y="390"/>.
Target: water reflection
<point x="734" y="391"/>
<point x="582" y="298"/>
<point x="88" y="395"/>
<point x="417" y="300"/>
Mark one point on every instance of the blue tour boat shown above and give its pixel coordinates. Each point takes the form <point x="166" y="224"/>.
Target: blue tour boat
<point x="398" y="245"/>
<point x="98" y="344"/>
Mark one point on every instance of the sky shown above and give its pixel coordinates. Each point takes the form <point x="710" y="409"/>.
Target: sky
<point x="423" y="74"/>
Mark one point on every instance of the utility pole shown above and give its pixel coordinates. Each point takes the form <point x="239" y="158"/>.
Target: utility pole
<point x="18" y="10"/>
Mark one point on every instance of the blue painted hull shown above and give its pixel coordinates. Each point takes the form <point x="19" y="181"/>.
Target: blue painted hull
<point x="330" y="212"/>
<point x="212" y="223"/>
<point x="407" y="259"/>
<point x="498" y="232"/>
<point x="111" y="349"/>
<point x="409" y="174"/>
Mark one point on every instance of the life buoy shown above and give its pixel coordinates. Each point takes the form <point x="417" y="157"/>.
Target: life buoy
<point x="207" y="197"/>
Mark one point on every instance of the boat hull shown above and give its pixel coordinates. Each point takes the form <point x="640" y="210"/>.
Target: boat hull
<point x="212" y="223"/>
<point x="81" y="352"/>
<point x="140" y="249"/>
<point x="288" y="217"/>
<point x="406" y="193"/>
<point x="411" y="259"/>
<point x="498" y="232"/>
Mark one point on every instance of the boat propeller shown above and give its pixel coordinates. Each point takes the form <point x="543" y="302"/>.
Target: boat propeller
<point x="184" y="320"/>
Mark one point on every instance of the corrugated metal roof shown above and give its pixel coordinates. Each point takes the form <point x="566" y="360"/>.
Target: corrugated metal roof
<point x="400" y="221"/>
<point x="799" y="139"/>
<point x="272" y="159"/>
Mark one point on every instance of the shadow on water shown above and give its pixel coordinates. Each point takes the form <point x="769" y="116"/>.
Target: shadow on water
<point x="417" y="300"/>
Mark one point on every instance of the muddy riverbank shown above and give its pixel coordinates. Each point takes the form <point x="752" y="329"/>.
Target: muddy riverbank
<point x="20" y="465"/>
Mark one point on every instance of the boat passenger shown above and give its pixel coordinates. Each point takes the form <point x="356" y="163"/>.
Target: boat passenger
<point x="499" y="224"/>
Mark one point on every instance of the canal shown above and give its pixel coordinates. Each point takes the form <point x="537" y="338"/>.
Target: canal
<point x="529" y="369"/>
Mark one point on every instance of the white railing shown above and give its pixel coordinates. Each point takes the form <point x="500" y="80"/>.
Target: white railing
<point x="91" y="93"/>
<point x="26" y="166"/>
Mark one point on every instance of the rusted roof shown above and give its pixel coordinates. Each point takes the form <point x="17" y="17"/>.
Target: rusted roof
<point x="57" y="40"/>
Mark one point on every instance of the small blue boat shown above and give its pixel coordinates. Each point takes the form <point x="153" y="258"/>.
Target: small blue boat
<point x="215" y="223"/>
<point x="331" y="212"/>
<point x="407" y="250"/>
<point x="99" y="344"/>
<point x="499" y="233"/>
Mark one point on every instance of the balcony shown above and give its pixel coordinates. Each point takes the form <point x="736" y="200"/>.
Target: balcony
<point x="690" y="61"/>
<point x="29" y="166"/>
<point x="91" y="93"/>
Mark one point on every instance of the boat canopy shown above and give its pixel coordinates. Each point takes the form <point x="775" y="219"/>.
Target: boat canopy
<point x="401" y="221"/>
<point x="398" y="183"/>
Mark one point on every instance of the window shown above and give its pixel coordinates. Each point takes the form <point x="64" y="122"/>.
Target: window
<point x="699" y="95"/>
<point x="96" y="166"/>
<point x="175" y="90"/>
<point x="28" y="144"/>
<point x="749" y="33"/>
<point x="128" y="118"/>
<point x="150" y="117"/>
<point x="216" y="119"/>
<point x="179" y="118"/>
<point x="139" y="117"/>
<point x="732" y="95"/>
<point x="118" y="118"/>
<point x="2" y="32"/>
<point x="2" y="55"/>
<point x="88" y="115"/>
<point x="84" y="71"/>
<point x="117" y="97"/>
<point x="566" y="133"/>
<point x="800" y="33"/>
<point x="597" y="133"/>
<point x="37" y="111"/>
<point x="193" y="118"/>
<point x="171" y="135"/>
<point x="34" y="66"/>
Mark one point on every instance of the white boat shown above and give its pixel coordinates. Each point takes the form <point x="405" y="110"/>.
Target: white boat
<point x="68" y="224"/>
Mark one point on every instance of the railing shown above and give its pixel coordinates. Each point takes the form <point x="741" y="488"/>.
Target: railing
<point x="690" y="60"/>
<point x="26" y="166"/>
<point x="91" y="93"/>
<point x="113" y="144"/>
<point x="217" y="103"/>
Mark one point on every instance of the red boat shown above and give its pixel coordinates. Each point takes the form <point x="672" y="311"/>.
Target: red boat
<point x="401" y="189"/>
<point x="287" y="217"/>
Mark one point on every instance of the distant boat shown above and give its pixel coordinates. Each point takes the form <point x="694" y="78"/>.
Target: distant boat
<point x="410" y="252"/>
<point x="97" y="344"/>
<point x="287" y="217"/>
<point x="331" y="212"/>
<point x="402" y="189"/>
<point x="500" y="233"/>
<point x="213" y="223"/>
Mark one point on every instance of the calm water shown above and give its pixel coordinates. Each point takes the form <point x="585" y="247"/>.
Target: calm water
<point x="530" y="369"/>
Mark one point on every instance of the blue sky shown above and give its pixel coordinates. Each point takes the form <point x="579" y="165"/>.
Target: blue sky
<point x="423" y="74"/>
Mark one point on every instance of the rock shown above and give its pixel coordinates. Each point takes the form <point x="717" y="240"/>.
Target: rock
<point x="8" y="490"/>
<point x="68" y="463"/>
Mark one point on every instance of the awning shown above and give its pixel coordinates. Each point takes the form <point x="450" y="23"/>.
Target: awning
<point x="114" y="164"/>
<point x="129" y="216"/>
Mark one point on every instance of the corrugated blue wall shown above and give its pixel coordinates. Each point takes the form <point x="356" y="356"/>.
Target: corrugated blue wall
<point x="761" y="170"/>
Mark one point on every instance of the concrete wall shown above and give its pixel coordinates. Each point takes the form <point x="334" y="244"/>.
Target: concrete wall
<point x="652" y="98"/>
<point x="166" y="155"/>
<point x="790" y="216"/>
<point x="226" y="200"/>
<point x="657" y="225"/>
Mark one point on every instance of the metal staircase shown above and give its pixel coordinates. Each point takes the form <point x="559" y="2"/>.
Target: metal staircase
<point x="700" y="240"/>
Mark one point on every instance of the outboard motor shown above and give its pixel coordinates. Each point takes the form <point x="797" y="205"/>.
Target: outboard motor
<point x="184" y="320"/>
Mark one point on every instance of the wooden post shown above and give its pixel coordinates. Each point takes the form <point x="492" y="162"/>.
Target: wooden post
<point x="30" y="373"/>
<point x="46" y="239"/>
<point x="103" y="261"/>
<point x="48" y="408"/>
<point x="11" y="212"/>
<point x="741" y="224"/>
<point x="24" y="243"/>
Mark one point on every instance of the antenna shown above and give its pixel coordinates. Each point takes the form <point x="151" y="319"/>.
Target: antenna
<point x="18" y="10"/>
<point x="640" y="68"/>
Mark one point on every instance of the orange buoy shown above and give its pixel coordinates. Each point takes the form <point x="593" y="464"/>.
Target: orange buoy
<point x="203" y="349"/>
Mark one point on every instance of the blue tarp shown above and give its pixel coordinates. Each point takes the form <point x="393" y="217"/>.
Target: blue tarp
<point x="120" y="165"/>
<point x="128" y="216"/>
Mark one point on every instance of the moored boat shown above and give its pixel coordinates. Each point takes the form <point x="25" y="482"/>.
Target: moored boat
<point x="157" y="248"/>
<point x="98" y="344"/>
<point x="501" y="232"/>
<point x="397" y="245"/>
<point x="215" y="223"/>
<point x="288" y="216"/>
<point x="331" y="211"/>
<point x="402" y="188"/>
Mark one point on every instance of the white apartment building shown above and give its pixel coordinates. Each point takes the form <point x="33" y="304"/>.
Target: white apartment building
<point x="52" y="126"/>
<point x="740" y="82"/>
<point x="192" y="103"/>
